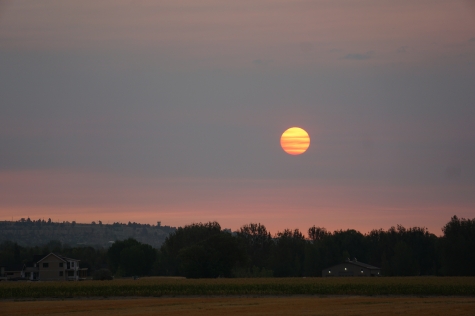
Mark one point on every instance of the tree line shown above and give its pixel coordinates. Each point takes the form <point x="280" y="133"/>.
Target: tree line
<point x="28" y="232"/>
<point x="204" y="250"/>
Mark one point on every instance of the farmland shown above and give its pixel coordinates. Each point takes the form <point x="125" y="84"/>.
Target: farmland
<point x="154" y="287"/>
<point x="290" y="305"/>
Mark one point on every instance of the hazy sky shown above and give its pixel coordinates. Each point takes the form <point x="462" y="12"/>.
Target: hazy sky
<point x="172" y="111"/>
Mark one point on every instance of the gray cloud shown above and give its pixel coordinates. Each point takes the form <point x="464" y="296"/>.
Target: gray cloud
<point x="261" y="62"/>
<point x="404" y="49"/>
<point x="453" y="172"/>
<point x="185" y="97"/>
<point x="358" y="56"/>
<point x="306" y="47"/>
<point x="63" y="111"/>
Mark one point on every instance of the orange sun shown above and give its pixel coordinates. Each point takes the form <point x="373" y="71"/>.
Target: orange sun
<point x="295" y="141"/>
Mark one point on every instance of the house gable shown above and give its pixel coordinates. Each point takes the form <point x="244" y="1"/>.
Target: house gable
<point x="48" y="258"/>
<point x="52" y="267"/>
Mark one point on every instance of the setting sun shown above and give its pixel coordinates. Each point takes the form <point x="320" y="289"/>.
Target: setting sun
<point x="295" y="141"/>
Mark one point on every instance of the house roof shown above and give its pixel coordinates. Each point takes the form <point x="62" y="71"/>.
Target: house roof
<point x="68" y="259"/>
<point x="364" y="265"/>
<point x="57" y="256"/>
<point x="50" y="255"/>
<point x="359" y="264"/>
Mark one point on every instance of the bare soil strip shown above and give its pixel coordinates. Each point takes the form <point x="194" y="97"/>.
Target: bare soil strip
<point x="308" y="305"/>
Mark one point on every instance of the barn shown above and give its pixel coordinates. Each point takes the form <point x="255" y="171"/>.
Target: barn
<point x="351" y="268"/>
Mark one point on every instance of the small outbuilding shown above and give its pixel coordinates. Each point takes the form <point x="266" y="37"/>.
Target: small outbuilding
<point x="13" y="272"/>
<point x="351" y="268"/>
<point x="3" y="276"/>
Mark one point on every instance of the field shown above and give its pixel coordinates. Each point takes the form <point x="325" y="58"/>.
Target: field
<point x="155" y="287"/>
<point x="288" y="305"/>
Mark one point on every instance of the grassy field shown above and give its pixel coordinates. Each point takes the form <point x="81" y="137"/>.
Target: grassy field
<point x="412" y="286"/>
<point x="288" y="305"/>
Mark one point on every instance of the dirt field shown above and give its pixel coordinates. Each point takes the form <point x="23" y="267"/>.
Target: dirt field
<point x="305" y="305"/>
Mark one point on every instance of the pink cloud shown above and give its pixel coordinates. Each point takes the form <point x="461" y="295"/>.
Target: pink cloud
<point x="236" y="33"/>
<point x="279" y="204"/>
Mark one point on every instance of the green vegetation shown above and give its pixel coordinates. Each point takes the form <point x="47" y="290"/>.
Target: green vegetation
<point x="102" y="275"/>
<point x="12" y="254"/>
<point x="207" y="251"/>
<point x="263" y="286"/>
<point x="31" y="233"/>
<point x="130" y="257"/>
<point x="398" y="251"/>
<point x="201" y="251"/>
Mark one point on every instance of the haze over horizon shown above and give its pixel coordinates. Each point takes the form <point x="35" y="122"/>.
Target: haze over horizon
<point x="173" y="111"/>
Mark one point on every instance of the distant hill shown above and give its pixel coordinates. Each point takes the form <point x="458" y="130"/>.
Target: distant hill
<point x="28" y="232"/>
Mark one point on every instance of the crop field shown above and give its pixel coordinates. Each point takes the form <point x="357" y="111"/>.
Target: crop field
<point x="235" y="305"/>
<point x="158" y="286"/>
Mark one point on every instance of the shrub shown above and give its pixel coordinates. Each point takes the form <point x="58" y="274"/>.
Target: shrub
<point x="102" y="274"/>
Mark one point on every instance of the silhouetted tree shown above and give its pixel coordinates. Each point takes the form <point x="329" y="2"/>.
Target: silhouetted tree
<point x="130" y="257"/>
<point x="288" y="255"/>
<point x="200" y="250"/>
<point x="458" y="247"/>
<point x="213" y="257"/>
<point x="393" y="250"/>
<point x="317" y="233"/>
<point x="258" y="244"/>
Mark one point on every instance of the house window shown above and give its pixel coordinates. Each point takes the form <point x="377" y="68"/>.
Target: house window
<point x="45" y="265"/>
<point x="60" y="273"/>
<point x="72" y="264"/>
<point x="60" y="264"/>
